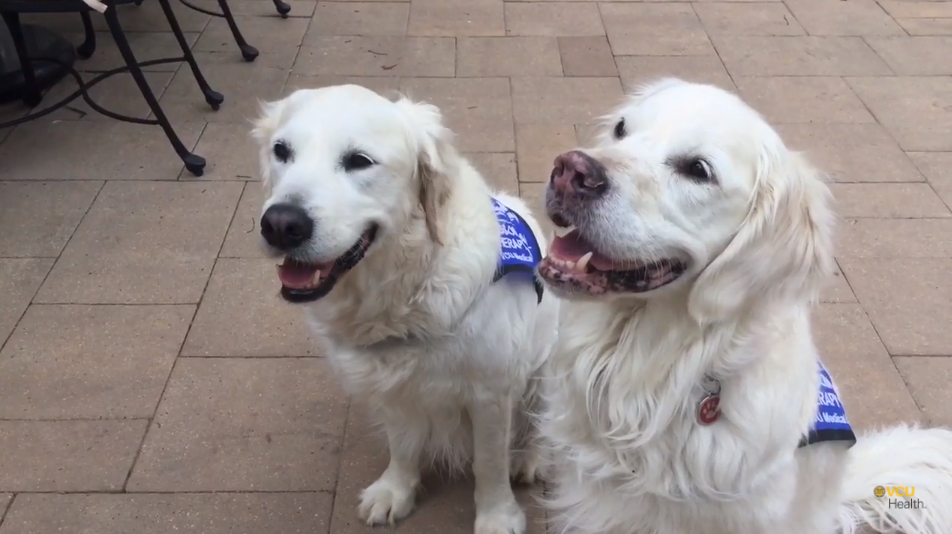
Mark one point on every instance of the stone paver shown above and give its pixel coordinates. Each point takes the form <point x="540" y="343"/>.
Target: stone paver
<point x="147" y="365"/>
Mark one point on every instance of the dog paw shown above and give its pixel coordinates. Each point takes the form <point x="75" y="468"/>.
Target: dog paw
<point x="506" y="519"/>
<point x="385" y="502"/>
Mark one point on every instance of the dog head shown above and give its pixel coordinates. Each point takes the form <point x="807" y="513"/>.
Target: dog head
<point x="346" y="168"/>
<point x="688" y="189"/>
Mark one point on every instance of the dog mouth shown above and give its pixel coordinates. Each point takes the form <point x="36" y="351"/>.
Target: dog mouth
<point x="303" y="281"/>
<point x="576" y="265"/>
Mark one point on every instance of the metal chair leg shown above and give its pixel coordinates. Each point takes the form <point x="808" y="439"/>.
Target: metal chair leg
<point x="88" y="47"/>
<point x="194" y="163"/>
<point x="247" y="51"/>
<point x="283" y="8"/>
<point x="214" y="98"/>
<point x="32" y="95"/>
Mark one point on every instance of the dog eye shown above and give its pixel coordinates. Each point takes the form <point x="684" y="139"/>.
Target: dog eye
<point x="356" y="161"/>
<point x="281" y="151"/>
<point x="697" y="169"/>
<point x="620" y="129"/>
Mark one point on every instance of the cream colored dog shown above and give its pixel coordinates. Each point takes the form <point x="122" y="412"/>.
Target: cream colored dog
<point x="687" y="395"/>
<point x="392" y="244"/>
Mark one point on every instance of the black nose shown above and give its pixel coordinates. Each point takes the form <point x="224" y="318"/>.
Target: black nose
<point x="286" y="226"/>
<point x="578" y="175"/>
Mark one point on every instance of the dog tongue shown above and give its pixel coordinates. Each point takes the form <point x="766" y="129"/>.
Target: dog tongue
<point x="573" y="246"/>
<point x="297" y="275"/>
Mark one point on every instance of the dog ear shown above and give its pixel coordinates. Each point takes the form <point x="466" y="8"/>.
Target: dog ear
<point x="437" y="161"/>
<point x="783" y="250"/>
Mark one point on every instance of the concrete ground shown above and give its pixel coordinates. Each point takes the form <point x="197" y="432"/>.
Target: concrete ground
<point x="150" y="380"/>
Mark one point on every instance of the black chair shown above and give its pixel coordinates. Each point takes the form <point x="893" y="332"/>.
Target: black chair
<point x="11" y="10"/>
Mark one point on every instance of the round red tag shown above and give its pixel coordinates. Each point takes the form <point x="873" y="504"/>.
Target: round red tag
<point x="709" y="409"/>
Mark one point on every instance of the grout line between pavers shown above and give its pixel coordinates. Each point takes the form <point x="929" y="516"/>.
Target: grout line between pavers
<point x="6" y="510"/>
<point x="178" y="353"/>
<point x="68" y="419"/>
<point x="340" y="463"/>
<point x="190" y="492"/>
<point x="53" y="266"/>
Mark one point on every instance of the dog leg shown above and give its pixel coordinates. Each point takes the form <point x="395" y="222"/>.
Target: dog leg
<point x="392" y="496"/>
<point x="497" y="511"/>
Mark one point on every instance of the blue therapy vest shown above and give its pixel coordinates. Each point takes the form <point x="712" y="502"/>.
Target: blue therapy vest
<point x="830" y="423"/>
<point x="519" y="250"/>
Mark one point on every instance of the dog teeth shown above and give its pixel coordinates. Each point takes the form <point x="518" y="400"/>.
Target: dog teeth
<point x="562" y="232"/>
<point x="582" y="263"/>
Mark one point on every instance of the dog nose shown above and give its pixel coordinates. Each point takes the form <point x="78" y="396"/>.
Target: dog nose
<point x="286" y="226"/>
<point x="577" y="174"/>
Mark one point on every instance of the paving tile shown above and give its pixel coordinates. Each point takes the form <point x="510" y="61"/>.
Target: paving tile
<point x="478" y="110"/>
<point x="725" y="18"/>
<point x="908" y="300"/>
<point x="855" y="17"/>
<point x="563" y="100"/>
<point x="358" y="18"/>
<point x="917" y="111"/>
<point x="19" y="280"/>
<point x="655" y="30"/>
<point x="926" y="26"/>
<point x="895" y="238"/>
<point x="383" y="86"/>
<point x="444" y="506"/>
<point x="793" y="99"/>
<point x="852" y="152"/>
<point x="94" y="149"/>
<point x="507" y="56"/>
<point x="498" y="169"/>
<point x="244" y="424"/>
<point x="146" y="46"/>
<point x="38" y="218"/>
<point x="638" y="70"/>
<point x="144" y="243"/>
<point x="242" y="84"/>
<point x="456" y="18"/>
<point x="917" y="9"/>
<point x="937" y="168"/>
<point x="928" y="381"/>
<point x="244" y="235"/>
<point x="90" y="362"/>
<point x="553" y="19"/>
<point x="224" y="326"/>
<point x="299" y="8"/>
<point x="587" y="133"/>
<point x="118" y="94"/>
<point x="229" y="151"/>
<point x="888" y="201"/>
<point x="234" y="513"/>
<point x="838" y="289"/>
<point x="67" y="455"/>
<point x="798" y="56"/>
<point x="277" y="39"/>
<point x="915" y="56"/>
<point x="537" y="146"/>
<point x="869" y="384"/>
<point x="378" y="56"/>
<point x="586" y="56"/>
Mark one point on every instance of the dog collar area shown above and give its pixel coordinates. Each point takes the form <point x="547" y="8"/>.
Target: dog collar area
<point x="830" y="422"/>
<point x="519" y="252"/>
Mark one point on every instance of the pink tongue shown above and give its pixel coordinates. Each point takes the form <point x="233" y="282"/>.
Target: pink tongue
<point x="573" y="246"/>
<point x="296" y="275"/>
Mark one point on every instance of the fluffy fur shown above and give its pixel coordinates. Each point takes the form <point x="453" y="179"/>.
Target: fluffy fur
<point x="445" y="359"/>
<point x="630" y="455"/>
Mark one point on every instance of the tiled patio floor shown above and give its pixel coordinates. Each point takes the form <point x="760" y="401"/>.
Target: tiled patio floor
<point x="151" y="381"/>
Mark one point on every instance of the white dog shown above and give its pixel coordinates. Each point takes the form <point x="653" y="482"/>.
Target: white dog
<point x="686" y="396"/>
<point x="401" y="249"/>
